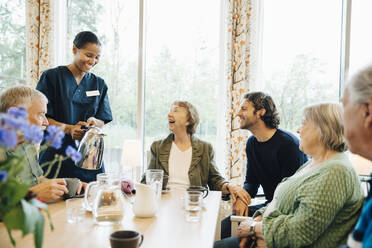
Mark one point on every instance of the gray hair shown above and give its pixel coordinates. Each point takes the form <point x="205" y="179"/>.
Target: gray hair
<point x="19" y="96"/>
<point x="192" y="115"/>
<point x="360" y="85"/>
<point x="327" y="117"/>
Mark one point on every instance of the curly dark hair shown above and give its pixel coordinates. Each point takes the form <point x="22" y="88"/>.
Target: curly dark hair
<point x="261" y="100"/>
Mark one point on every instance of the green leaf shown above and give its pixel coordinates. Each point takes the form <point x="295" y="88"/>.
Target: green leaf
<point x="32" y="216"/>
<point x="14" y="218"/>
<point x="39" y="230"/>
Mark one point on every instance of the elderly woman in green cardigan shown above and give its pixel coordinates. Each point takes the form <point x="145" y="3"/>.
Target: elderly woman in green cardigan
<point x="187" y="160"/>
<point x="317" y="206"/>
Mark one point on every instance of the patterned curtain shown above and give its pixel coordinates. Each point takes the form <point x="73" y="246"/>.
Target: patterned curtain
<point x="239" y="69"/>
<point x="39" y="37"/>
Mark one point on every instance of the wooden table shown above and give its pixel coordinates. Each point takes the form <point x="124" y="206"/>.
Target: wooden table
<point x="167" y="229"/>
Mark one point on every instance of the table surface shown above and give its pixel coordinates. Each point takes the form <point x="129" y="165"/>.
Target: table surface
<point x="167" y="229"/>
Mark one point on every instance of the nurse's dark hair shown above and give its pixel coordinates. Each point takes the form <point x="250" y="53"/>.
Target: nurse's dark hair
<point x="261" y="100"/>
<point x="85" y="37"/>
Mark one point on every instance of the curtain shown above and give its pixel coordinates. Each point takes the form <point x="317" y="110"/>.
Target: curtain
<point x="240" y="64"/>
<point x="39" y="39"/>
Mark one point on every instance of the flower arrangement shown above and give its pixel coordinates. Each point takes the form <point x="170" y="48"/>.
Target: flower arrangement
<point x="20" y="208"/>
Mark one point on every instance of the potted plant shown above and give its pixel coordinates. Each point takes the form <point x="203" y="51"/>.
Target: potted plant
<point x="20" y="208"/>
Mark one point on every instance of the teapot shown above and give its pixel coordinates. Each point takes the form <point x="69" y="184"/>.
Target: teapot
<point x="91" y="148"/>
<point x="146" y="203"/>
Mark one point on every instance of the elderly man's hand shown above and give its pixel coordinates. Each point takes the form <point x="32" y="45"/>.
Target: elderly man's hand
<point x="81" y="188"/>
<point x="261" y="243"/>
<point x="50" y="190"/>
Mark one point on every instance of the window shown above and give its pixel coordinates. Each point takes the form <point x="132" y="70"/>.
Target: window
<point x="12" y="43"/>
<point x="301" y="55"/>
<point x="360" y="38"/>
<point x="116" y="24"/>
<point x="181" y="56"/>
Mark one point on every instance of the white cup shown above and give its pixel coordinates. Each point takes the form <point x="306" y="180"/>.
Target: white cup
<point x="193" y="205"/>
<point x="74" y="210"/>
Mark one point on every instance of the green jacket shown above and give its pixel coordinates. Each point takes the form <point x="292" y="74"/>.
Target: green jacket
<point x="202" y="172"/>
<point x="317" y="209"/>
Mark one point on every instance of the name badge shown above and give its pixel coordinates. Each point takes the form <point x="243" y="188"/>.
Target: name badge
<point x="92" y="93"/>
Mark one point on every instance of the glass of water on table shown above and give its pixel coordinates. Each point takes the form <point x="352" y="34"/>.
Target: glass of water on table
<point x="154" y="178"/>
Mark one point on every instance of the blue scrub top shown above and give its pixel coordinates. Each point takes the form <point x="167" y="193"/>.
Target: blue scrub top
<point x="69" y="103"/>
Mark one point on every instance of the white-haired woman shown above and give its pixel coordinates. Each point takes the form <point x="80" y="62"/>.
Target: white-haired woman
<point x="320" y="203"/>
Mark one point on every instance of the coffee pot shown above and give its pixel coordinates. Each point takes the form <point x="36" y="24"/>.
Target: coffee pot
<point x="91" y="148"/>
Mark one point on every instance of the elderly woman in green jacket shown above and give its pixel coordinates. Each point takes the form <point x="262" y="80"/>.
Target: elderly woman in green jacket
<point x="321" y="202"/>
<point x="187" y="160"/>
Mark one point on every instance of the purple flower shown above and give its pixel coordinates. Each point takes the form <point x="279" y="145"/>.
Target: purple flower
<point x="75" y="155"/>
<point x="8" y="138"/>
<point x="127" y="186"/>
<point x="15" y="123"/>
<point x="54" y="136"/>
<point x="18" y="112"/>
<point x="33" y="133"/>
<point x="3" y="176"/>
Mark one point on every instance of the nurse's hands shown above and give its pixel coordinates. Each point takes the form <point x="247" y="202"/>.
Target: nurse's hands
<point x="76" y="132"/>
<point x="95" y="122"/>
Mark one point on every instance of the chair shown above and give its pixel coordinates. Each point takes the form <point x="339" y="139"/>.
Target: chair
<point x="235" y="219"/>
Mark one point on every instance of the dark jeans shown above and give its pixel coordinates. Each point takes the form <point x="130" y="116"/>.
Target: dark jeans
<point x="226" y="223"/>
<point x="232" y="242"/>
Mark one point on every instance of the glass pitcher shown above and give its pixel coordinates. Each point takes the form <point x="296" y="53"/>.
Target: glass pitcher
<point x="92" y="189"/>
<point x="108" y="207"/>
<point x="104" y="198"/>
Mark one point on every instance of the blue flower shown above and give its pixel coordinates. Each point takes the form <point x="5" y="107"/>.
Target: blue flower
<point x="75" y="155"/>
<point x="3" y="176"/>
<point x="18" y="112"/>
<point x="15" y="123"/>
<point x="54" y="136"/>
<point x="33" y="133"/>
<point x="8" y="138"/>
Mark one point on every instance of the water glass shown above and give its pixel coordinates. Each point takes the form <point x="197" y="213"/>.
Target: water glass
<point x="154" y="178"/>
<point x="193" y="205"/>
<point x="74" y="210"/>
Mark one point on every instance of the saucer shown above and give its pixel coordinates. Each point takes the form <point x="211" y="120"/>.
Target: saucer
<point x="165" y="191"/>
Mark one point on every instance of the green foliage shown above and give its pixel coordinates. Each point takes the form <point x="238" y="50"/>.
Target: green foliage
<point x="297" y="87"/>
<point x="12" y="38"/>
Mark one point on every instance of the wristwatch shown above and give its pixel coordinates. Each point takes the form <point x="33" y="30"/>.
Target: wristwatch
<point x="251" y="229"/>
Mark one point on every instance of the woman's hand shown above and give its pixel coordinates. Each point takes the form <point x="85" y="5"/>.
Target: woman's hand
<point x="92" y="121"/>
<point x="240" y="207"/>
<point x="76" y="132"/>
<point x="243" y="228"/>
<point x="238" y="192"/>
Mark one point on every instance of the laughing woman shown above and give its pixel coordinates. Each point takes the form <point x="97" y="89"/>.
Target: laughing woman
<point x="187" y="160"/>
<point x="76" y="98"/>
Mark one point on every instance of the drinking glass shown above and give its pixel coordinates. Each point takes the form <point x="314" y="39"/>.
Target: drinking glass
<point x="74" y="210"/>
<point x="154" y="178"/>
<point x="193" y="205"/>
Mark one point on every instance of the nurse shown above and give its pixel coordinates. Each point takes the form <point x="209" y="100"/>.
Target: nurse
<point x="76" y="98"/>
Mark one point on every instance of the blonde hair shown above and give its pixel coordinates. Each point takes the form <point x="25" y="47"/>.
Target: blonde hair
<point x="192" y="115"/>
<point x="19" y="95"/>
<point x="328" y="118"/>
